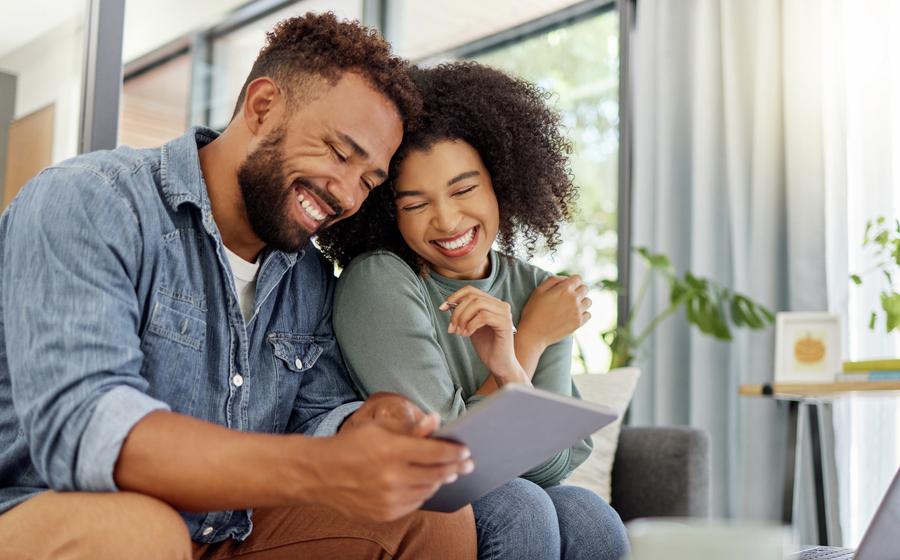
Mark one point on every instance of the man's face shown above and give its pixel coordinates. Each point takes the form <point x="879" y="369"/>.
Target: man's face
<point x="318" y="166"/>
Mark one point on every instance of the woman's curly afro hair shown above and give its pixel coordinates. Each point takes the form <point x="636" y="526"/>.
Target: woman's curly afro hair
<point x="518" y="137"/>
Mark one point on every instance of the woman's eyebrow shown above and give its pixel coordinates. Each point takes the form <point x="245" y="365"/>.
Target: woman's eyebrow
<point x="463" y="175"/>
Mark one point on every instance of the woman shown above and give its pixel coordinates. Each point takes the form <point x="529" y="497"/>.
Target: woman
<point x="425" y="307"/>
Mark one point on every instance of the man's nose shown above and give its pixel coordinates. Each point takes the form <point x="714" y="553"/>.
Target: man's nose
<point x="345" y="192"/>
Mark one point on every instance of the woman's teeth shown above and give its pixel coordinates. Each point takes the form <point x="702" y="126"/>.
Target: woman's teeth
<point x="459" y="242"/>
<point x="311" y="209"/>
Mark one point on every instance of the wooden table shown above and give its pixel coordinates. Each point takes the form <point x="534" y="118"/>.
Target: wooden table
<point x="813" y="395"/>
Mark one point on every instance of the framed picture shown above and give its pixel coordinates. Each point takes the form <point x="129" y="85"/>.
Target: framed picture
<point x="807" y="347"/>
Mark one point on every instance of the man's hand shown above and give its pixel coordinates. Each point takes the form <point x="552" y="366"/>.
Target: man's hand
<point x="390" y="410"/>
<point x="372" y="472"/>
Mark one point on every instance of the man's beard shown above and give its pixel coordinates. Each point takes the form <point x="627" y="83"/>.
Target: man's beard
<point x="268" y="197"/>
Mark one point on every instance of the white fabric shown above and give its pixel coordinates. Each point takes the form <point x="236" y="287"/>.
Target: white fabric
<point x="765" y="133"/>
<point x="613" y="389"/>
<point x="244" y="282"/>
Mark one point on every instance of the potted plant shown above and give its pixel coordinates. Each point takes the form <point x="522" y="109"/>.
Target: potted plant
<point x="710" y="307"/>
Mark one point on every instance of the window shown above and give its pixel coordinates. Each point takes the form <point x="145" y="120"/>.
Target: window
<point x="155" y="104"/>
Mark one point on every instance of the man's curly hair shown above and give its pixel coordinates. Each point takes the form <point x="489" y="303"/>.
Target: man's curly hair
<point x="321" y="45"/>
<point x="518" y="137"/>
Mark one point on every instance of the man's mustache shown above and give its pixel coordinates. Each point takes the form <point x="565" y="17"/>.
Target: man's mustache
<point x="324" y="196"/>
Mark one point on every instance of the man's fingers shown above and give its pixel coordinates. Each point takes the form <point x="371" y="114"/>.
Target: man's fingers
<point x="426" y="425"/>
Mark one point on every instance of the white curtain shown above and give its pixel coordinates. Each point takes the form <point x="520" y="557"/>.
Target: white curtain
<point x="754" y="151"/>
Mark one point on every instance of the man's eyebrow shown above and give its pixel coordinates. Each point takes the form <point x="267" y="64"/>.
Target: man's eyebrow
<point x="361" y="152"/>
<point x="461" y="176"/>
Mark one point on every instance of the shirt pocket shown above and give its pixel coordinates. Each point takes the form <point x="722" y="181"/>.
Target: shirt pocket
<point x="173" y="348"/>
<point x="293" y="355"/>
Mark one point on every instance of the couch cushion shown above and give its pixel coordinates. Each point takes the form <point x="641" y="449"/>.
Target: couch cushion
<point x="613" y="389"/>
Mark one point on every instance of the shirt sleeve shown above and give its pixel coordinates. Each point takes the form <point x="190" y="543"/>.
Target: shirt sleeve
<point x="383" y="323"/>
<point x="71" y="254"/>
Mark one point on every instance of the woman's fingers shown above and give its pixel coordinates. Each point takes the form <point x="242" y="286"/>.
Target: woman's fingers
<point x="499" y="316"/>
<point x="486" y="318"/>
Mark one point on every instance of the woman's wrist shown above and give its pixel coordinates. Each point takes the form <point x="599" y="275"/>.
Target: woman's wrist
<point x="512" y="374"/>
<point x="528" y="335"/>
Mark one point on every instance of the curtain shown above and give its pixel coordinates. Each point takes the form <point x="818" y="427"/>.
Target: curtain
<point x="746" y="168"/>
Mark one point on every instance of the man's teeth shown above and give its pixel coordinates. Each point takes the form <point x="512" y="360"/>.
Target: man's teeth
<point x="310" y="208"/>
<point x="458" y="242"/>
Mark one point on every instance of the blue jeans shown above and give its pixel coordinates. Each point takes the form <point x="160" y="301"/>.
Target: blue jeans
<point x="522" y="521"/>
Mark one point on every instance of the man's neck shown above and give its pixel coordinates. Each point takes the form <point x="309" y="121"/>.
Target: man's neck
<point x="219" y="162"/>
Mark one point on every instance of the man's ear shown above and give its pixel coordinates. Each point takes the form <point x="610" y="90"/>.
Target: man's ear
<point x="260" y="100"/>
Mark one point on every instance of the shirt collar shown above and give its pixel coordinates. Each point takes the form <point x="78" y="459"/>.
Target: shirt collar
<point x="180" y="174"/>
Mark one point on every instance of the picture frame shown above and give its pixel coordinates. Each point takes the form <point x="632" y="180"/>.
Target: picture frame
<point x="807" y="347"/>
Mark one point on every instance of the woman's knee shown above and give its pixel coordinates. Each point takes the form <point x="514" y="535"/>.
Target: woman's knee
<point x="517" y="520"/>
<point x="589" y="527"/>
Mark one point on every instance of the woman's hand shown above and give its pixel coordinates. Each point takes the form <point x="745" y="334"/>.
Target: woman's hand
<point x="487" y="321"/>
<point x="555" y="309"/>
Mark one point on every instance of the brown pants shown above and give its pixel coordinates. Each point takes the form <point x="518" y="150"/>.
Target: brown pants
<point x="126" y="525"/>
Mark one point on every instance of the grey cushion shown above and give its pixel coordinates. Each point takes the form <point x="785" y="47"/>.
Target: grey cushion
<point x="661" y="472"/>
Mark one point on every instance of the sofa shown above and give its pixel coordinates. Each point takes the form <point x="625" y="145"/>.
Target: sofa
<point x="661" y="472"/>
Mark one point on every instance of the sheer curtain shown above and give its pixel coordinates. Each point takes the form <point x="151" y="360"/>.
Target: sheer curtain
<point x="765" y="132"/>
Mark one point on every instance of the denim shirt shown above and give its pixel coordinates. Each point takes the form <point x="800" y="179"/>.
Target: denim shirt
<point x="117" y="300"/>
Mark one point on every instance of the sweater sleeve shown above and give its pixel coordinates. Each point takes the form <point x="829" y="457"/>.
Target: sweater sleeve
<point x="554" y="374"/>
<point x="383" y="323"/>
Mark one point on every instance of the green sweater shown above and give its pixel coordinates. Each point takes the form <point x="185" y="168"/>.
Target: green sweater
<point x="394" y="338"/>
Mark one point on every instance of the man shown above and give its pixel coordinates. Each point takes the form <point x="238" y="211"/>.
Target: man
<point x="166" y="341"/>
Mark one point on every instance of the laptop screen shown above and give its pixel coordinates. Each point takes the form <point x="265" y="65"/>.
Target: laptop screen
<point x="882" y="538"/>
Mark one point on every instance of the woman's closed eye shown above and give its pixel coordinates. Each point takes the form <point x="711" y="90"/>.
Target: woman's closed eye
<point x="414" y="207"/>
<point x="465" y="190"/>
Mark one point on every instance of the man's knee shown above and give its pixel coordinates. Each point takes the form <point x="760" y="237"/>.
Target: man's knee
<point x="96" y="526"/>
<point x="444" y="535"/>
<point x="148" y="528"/>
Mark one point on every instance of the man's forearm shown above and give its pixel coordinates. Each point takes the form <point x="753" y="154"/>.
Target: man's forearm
<point x="198" y="466"/>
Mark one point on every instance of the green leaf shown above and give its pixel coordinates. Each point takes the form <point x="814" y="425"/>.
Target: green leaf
<point x="611" y="285"/>
<point x="856" y="279"/>
<point x="866" y="234"/>
<point x="655" y="260"/>
<point x="890" y="302"/>
<point x="882" y="238"/>
<point x="872" y="318"/>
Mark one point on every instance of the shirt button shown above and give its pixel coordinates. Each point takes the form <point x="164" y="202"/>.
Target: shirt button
<point x="207" y="532"/>
<point x="237" y="380"/>
<point x="298" y="363"/>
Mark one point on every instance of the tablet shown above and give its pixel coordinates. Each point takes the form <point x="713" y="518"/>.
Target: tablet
<point x="515" y="429"/>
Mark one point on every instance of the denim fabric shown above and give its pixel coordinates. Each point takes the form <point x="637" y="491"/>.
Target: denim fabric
<point x="522" y="521"/>
<point x="117" y="300"/>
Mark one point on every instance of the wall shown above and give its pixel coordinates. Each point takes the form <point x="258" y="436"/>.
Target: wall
<point x="49" y="70"/>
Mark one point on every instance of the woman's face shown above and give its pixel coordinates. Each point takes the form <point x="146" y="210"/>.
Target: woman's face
<point x="446" y="209"/>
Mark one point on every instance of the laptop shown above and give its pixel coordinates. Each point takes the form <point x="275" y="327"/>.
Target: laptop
<point x="882" y="538"/>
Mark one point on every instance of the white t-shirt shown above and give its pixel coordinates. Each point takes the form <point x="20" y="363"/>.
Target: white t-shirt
<point x="244" y="282"/>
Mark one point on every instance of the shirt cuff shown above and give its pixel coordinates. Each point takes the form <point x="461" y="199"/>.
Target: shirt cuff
<point x="115" y="415"/>
<point x="333" y="420"/>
